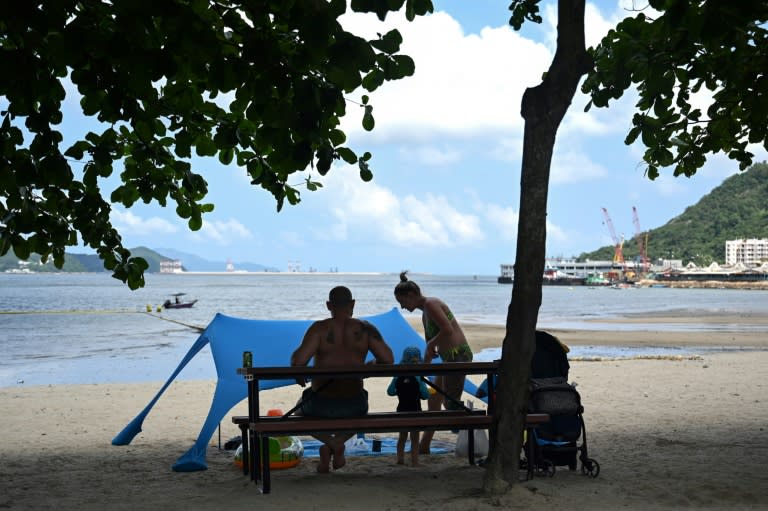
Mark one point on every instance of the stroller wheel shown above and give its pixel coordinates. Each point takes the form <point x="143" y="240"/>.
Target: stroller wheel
<point x="590" y="468"/>
<point x="546" y="468"/>
<point x="551" y="470"/>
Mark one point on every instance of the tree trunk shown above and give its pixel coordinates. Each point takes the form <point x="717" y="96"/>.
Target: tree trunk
<point x="543" y="108"/>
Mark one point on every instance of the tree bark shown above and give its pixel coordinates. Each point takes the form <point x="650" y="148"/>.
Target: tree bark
<point x="543" y="108"/>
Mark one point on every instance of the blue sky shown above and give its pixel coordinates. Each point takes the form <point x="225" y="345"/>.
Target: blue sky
<point x="447" y="150"/>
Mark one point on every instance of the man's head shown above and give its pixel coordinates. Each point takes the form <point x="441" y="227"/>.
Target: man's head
<point x="340" y="298"/>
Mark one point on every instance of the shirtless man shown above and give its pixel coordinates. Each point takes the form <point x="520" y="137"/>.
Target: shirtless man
<point x="338" y="341"/>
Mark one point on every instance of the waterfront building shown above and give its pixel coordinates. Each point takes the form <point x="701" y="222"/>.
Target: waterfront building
<point x="573" y="268"/>
<point x="171" y="266"/>
<point x="746" y="251"/>
<point x="568" y="270"/>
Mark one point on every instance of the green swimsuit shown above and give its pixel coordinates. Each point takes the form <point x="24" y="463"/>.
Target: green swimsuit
<point x="453" y="384"/>
<point x="430" y="327"/>
<point x="461" y="353"/>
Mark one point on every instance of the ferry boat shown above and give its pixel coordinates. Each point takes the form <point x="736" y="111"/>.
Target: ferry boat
<point x="555" y="277"/>
<point x="507" y="274"/>
<point x="552" y="277"/>
<point x="568" y="272"/>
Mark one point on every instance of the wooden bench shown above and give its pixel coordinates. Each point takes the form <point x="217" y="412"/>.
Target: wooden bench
<point x="256" y="429"/>
<point x="297" y="425"/>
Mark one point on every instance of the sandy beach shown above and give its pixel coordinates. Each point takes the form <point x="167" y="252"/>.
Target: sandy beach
<point x="669" y="434"/>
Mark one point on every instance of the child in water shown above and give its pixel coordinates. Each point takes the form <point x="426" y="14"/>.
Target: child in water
<point x="410" y="390"/>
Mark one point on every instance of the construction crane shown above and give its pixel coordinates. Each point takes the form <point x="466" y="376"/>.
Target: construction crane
<point x="618" y="243"/>
<point x="642" y="241"/>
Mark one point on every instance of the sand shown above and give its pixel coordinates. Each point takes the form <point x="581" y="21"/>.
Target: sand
<point x="668" y="434"/>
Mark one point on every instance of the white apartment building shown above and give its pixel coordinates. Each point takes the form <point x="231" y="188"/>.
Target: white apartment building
<point x="748" y="252"/>
<point x="171" y="266"/>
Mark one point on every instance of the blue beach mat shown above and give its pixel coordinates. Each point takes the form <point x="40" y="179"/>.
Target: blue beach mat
<point x="364" y="447"/>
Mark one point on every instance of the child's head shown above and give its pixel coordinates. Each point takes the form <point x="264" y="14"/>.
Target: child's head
<point x="411" y="355"/>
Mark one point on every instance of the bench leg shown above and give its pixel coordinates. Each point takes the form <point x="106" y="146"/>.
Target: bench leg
<point x="471" y="446"/>
<point x="266" y="483"/>
<point x="254" y="455"/>
<point x="530" y="453"/>
<point x="244" y="444"/>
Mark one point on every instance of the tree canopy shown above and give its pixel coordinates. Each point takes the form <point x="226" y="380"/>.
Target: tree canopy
<point x="700" y="70"/>
<point x="259" y="83"/>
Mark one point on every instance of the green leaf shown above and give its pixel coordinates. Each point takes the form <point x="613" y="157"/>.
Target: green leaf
<point x="347" y="155"/>
<point x="143" y="130"/>
<point x="21" y="249"/>
<point x="204" y="146"/>
<point x="389" y="42"/>
<point x="368" y="121"/>
<point x="226" y="156"/>
<point x="195" y="223"/>
<point x="365" y="171"/>
<point x="293" y="195"/>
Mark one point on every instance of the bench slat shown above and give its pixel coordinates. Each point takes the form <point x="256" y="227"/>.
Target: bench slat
<point x="381" y="424"/>
<point x="312" y="425"/>
<point x="243" y="419"/>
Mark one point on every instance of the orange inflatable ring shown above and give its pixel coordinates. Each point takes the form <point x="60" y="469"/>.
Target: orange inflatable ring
<point x="284" y="452"/>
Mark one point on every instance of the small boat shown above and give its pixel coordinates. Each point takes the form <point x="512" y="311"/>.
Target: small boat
<point x="176" y="303"/>
<point x="555" y="277"/>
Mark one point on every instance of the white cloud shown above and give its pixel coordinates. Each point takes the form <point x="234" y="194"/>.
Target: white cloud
<point x="509" y="148"/>
<point x="555" y="233"/>
<point x="292" y="238"/>
<point x="429" y="221"/>
<point x="222" y="232"/>
<point x="571" y="165"/>
<point x="463" y="84"/>
<point x="503" y="220"/>
<point x="669" y="186"/>
<point x="430" y="155"/>
<point x="130" y="224"/>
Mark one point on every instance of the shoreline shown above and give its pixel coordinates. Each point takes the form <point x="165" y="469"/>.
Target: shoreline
<point x="484" y="336"/>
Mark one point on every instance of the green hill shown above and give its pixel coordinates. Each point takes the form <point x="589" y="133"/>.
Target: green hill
<point x="79" y="262"/>
<point x="738" y="208"/>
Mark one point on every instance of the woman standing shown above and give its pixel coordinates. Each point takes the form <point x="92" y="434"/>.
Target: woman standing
<point x="445" y="339"/>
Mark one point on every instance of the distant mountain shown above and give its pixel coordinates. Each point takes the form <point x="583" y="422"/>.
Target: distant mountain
<point x="191" y="262"/>
<point x="736" y="209"/>
<point x="74" y="262"/>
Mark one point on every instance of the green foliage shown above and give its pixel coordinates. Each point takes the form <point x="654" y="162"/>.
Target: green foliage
<point x="717" y="48"/>
<point x="736" y="209"/>
<point x="79" y="262"/>
<point x="522" y="11"/>
<point x="258" y="83"/>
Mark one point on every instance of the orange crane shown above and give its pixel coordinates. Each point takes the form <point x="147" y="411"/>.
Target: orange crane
<point x="618" y="254"/>
<point x="642" y="242"/>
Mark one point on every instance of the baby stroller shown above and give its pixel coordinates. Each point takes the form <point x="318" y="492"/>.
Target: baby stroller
<point x="556" y="442"/>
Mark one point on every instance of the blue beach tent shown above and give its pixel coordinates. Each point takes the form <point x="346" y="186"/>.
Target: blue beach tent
<point x="272" y="342"/>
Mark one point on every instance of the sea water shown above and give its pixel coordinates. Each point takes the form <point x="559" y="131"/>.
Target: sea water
<point x="90" y="328"/>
